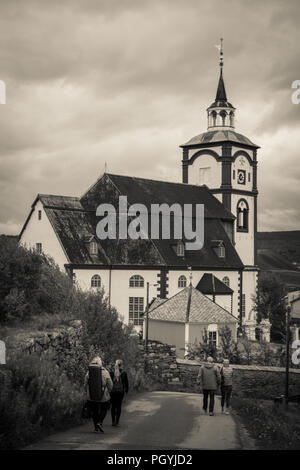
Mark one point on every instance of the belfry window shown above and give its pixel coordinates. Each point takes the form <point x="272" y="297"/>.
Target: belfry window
<point x="242" y="216"/>
<point x="223" y="115"/>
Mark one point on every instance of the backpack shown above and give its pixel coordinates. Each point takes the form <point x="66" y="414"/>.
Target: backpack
<point x="96" y="388"/>
<point x="118" y="385"/>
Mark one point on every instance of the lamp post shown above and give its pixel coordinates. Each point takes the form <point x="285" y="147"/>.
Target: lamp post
<point x="287" y="358"/>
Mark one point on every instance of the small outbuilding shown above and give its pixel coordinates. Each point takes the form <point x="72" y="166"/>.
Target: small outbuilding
<point x="184" y="318"/>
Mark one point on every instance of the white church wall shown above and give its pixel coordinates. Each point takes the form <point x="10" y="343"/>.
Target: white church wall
<point x="120" y="290"/>
<point x="41" y="231"/>
<point x="244" y="241"/>
<point x="205" y="170"/>
<point x="249" y="289"/>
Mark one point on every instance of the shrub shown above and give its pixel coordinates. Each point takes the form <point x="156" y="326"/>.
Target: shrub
<point x="36" y="397"/>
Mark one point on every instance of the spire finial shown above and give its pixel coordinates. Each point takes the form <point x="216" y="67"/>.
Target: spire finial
<point x="221" y="53"/>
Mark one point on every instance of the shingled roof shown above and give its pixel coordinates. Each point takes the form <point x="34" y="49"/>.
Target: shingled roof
<point x="191" y="305"/>
<point x="210" y="284"/>
<point x="74" y="222"/>
<point x="219" y="136"/>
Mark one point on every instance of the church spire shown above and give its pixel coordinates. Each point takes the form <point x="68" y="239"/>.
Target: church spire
<point x="220" y="114"/>
<point x="221" y="93"/>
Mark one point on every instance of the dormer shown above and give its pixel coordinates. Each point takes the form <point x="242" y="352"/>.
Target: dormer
<point x="179" y="248"/>
<point x="219" y="248"/>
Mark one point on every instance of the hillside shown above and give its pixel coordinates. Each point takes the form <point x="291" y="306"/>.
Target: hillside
<point x="279" y="253"/>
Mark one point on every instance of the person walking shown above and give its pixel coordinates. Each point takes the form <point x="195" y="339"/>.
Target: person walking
<point x="120" y="387"/>
<point x="209" y="378"/>
<point x="226" y="385"/>
<point x="98" y="385"/>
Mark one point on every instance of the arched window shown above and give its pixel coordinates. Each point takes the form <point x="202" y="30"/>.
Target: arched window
<point x="242" y="216"/>
<point x="214" y="117"/>
<point x="223" y="115"/>
<point x="96" y="281"/>
<point x="182" y="281"/>
<point x="231" y="118"/>
<point x="93" y="248"/>
<point x="136" y="281"/>
<point x="226" y="281"/>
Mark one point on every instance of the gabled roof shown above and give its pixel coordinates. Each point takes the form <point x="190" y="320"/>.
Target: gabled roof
<point x="219" y="136"/>
<point x="74" y="222"/>
<point x="210" y="284"/>
<point x="192" y="304"/>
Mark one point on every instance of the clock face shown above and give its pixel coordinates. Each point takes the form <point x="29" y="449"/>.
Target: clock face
<point x="241" y="177"/>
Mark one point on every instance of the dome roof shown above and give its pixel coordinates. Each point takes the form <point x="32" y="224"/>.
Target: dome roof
<point x="219" y="136"/>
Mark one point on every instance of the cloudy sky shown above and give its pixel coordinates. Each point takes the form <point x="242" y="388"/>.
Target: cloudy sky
<point x="127" y="82"/>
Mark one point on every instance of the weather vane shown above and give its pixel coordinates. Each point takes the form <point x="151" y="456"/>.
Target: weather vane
<point x="220" y="49"/>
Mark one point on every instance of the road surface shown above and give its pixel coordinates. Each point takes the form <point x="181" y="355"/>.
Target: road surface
<point x="154" y="420"/>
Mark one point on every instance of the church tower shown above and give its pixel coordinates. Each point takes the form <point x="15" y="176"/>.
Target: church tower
<point x="226" y="162"/>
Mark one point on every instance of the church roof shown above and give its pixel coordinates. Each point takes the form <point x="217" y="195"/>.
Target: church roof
<point x="74" y="222"/>
<point x="216" y="136"/>
<point x="210" y="284"/>
<point x="191" y="305"/>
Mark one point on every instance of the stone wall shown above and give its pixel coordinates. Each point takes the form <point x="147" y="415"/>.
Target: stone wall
<point x="62" y="342"/>
<point x="171" y="373"/>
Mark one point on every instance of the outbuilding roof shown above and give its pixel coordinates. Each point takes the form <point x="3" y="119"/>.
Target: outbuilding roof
<point x="191" y="305"/>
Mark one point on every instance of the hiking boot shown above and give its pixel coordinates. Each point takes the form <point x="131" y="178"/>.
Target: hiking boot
<point x="211" y="413"/>
<point x="227" y="412"/>
<point x="99" y="427"/>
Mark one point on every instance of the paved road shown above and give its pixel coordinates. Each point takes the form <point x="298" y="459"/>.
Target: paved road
<point x="154" y="420"/>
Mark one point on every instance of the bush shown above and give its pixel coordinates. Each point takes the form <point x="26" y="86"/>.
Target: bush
<point x="36" y="397"/>
<point x="272" y="428"/>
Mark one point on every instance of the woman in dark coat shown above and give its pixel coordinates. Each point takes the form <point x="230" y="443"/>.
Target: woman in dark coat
<point x="120" y="387"/>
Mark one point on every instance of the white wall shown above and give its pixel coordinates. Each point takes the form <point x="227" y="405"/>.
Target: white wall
<point x="41" y="231"/>
<point x="120" y="290"/>
<point x="244" y="241"/>
<point x="206" y="161"/>
<point x="249" y="289"/>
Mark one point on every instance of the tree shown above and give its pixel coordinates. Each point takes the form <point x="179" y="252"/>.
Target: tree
<point x="269" y="303"/>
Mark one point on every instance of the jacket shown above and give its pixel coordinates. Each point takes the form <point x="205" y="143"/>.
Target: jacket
<point x="209" y="377"/>
<point x="124" y="379"/>
<point x="106" y="383"/>
<point x="226" y="376"/>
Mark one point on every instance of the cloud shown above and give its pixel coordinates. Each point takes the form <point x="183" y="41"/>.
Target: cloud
<point x="125" y="83"/>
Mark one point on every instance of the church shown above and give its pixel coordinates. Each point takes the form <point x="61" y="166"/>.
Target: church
<point x="219" y="170"/>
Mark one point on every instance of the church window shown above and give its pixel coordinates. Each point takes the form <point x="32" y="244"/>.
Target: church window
<point x="39" y="215"/>
<point x="249" y="177"/>
<point x="93" y="248"/>
<point x="242" y="216"/>
<point x="39" y="248"/>
<point x="231" y="118"/>
<point x="233" y="174"/>
<point x="136" y="281"/>
<point x="226" y="280"/>
<point x="204" y="176"/>
<point x="136" y="310"/>
<point x="96" y="281"/>
<point x="182" y="281"/>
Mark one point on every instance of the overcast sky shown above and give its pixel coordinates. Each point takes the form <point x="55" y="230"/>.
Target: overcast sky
<point x="127" y="82"/>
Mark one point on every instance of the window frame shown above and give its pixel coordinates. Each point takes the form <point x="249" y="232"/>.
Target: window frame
<point x="182" y="280"/>
<point x="39" y="248"/>
<point x="136" y="311"/>
<point x="245" y="214"/>
<point x="96" y="277"/>
<point x="136" y="280"/>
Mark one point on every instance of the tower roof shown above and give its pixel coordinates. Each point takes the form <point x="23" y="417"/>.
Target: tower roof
<point x="221" y="93"/>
